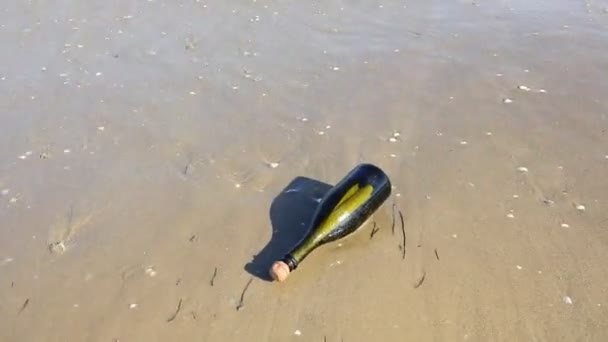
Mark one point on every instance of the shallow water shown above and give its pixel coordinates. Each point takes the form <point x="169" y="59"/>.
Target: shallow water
<point x="143" y="143"/>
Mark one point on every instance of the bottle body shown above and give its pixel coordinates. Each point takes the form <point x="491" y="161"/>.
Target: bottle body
<point x="343" y="210"/>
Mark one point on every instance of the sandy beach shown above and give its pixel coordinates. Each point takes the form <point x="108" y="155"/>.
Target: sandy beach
<point x="148" y="150"/>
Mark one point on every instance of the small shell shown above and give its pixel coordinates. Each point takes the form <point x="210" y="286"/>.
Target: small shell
<point x="151" y="271"/>
<point x="392" y="139"/>
<point x="297" y="333"/>
<point x="510" y="215"/>
<point x="132" y="306"/>
<point x="6" y="261"/>
<point x="463" y="142"/>
<point x="519" y="267"/>
<point x="507" y="100"/>
<point x="565" y="225"/>
<point x="335" y="68"/>
<point x="273" y="165"/>
<point x="57" y="247"/>
<point x="523" y="88"/>
<point x="567" y="300"/>
<point x="522" y="169"/>
<point x="580" y="207"/>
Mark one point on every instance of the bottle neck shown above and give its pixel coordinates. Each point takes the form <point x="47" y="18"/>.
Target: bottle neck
<point x="333" y="223"/>
<point x="290" y="261"/>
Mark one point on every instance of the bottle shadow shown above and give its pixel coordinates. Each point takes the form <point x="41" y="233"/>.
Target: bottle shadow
<point x="290" y="214"/>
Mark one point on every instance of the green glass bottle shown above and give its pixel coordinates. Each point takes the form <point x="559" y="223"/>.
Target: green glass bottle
<point x="341" y="212"/>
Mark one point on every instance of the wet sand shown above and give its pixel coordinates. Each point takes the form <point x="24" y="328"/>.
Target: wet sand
<point x="144" y="147"/>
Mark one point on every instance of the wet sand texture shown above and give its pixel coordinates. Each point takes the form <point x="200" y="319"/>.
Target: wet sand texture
<point x="147" y="149"/>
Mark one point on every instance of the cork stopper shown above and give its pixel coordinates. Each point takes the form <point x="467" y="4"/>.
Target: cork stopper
<point x="279" y="271"/>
